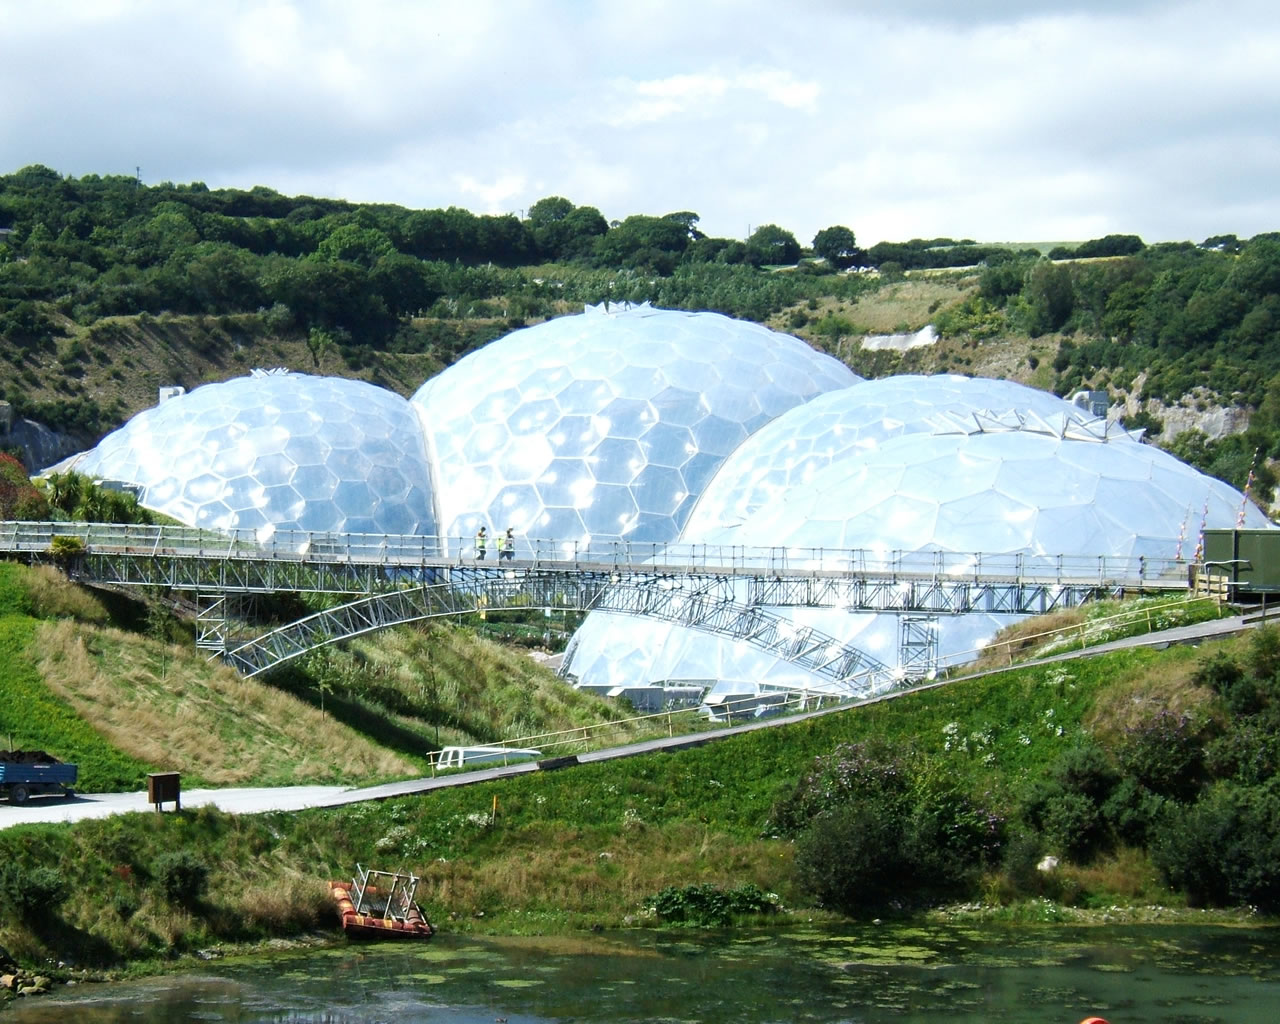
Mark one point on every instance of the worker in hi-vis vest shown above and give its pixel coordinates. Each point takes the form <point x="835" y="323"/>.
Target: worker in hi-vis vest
<point x="482" y="543"/>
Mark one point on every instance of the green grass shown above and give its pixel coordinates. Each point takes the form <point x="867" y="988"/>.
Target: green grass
<point x="31" y="717"/>
<point x="588" y="845"/>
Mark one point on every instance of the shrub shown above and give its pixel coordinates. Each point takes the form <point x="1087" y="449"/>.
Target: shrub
<point x="1085" y="769"/>
<point x="66" y="549"/>
<point x="851" y="859"/>
<point x="1022" y="856"/>
<point x="125" y="903"/>
<point x="1218" y="672"/>
<point x="1132" y="810"/>
<point x="1165" y="754"/>
<point x="182" y="876"/>
<point x="851" y="772"/>
<point x="28" y="893"/>
<point x="709" y="905"/>
<point x="1262" y="658"/>
<point x="1249" y="754"/>
<point x="1224" y="849"/>
<point x="1073" y="824"/>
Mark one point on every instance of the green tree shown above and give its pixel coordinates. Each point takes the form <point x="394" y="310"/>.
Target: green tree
<point x="770" y="245"/>
<point x="1050" y="297"/>
<point x="354" y="244"/>
<point x="643" y="241"/>
<point x="836" y="245"/>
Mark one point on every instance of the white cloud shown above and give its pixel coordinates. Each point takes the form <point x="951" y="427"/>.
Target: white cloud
<point x="992" y="119"/>
<point x="495" y="196"/>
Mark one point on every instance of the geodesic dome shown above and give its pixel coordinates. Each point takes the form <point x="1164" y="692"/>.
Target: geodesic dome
<point x="1038" y="485"/>
<point x="1007" y="492"/>
<point x="276" y="451"/>
<point x="856" y="420"/>
<point x="608" y="425"/>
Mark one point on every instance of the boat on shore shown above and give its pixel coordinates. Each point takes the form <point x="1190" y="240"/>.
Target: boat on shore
<point x="381" y="905"/>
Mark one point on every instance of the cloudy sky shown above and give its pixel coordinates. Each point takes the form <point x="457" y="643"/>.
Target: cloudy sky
<point x="998" y="120"/>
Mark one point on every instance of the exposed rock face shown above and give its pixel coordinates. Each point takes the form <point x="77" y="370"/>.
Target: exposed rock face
<point x="40" y="446"/>
<point x="901" y="342"/>
<point x="1214" y="421"/>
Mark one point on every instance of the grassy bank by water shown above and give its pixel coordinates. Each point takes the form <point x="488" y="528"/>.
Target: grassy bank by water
<point x="588" y="846"/>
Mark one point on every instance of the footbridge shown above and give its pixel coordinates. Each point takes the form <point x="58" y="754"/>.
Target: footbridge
<point x="379" y="581"/>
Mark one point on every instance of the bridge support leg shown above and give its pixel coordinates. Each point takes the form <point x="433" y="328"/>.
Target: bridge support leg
<point x="211" y="622"/>
<point x="918" y="645"/>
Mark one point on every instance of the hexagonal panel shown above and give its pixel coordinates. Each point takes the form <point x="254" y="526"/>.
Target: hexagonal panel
<point x="685" y="385"/>
<point x="275" y="450"/>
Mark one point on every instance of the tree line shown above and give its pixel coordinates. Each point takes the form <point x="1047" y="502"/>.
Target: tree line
<point x="100" y="246"/>
<point x="1196" y="322"/>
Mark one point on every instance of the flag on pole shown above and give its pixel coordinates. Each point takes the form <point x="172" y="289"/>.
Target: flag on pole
<point x="1248" y="485"/>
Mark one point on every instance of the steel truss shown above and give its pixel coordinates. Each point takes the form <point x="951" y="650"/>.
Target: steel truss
<point x="854" y="670"/>
<point x="720" y="589"/>
<point x="918" y="645"/>
<point x="933" y="594"/>
<point x="864" y="593"/>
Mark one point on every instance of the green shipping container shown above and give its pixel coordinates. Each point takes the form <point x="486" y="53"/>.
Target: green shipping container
<point x="1248" y="560"/>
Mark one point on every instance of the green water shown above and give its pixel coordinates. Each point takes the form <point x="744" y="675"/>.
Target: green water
<point x="859" y="973"/>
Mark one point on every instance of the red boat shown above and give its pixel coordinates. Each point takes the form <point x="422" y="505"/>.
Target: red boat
<point x="380" y="905"/>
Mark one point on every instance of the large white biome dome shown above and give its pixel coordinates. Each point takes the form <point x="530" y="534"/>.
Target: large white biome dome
<point x="609" y="425"/>
<point x="1037" y="477"/>
<point x="276" y="451"/>
<point x="856" y="420"/>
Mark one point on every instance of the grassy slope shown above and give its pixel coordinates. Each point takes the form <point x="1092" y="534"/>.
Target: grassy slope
<point x="592" y="844"/>
<point x="121" y="704"/>
<point x="907" y="306"/>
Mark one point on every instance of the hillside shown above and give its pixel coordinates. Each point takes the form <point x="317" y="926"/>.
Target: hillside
<point x="110" y="289"/>
<point x="122" y="691"/>
<point x="1150" y="775"/>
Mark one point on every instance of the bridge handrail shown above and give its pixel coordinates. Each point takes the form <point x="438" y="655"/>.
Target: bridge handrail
<point x="391" y="549"/>
<point x="419" y="550"/>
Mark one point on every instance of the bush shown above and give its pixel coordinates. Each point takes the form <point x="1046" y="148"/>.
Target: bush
<point x="851" y="772"/>
<point x="710" y="906"/>
<point x="1073" y="824"/>
<point x="66" y="549"/>
<point x="851" y="858"/>
<point x="1132" y="811"/>
<point x="182" y="876"/>
<point x="1085" y="769"/>
<point x="1224" y="849"/>
<point x="30" y="893"/>
<point x="1165" y="754"/>
<point x="1262" y="658"/>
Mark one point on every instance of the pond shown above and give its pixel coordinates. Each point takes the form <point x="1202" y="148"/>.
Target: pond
<point x="857" y="973"/>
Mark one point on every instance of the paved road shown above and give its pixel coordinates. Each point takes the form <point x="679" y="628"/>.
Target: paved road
<point x="296" y="798"/>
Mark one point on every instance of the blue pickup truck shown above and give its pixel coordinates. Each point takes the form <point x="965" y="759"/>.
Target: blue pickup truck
<point x="23" y="775"/>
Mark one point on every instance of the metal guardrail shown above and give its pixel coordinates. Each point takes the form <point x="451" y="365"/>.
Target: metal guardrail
<point x="389" y="551"/>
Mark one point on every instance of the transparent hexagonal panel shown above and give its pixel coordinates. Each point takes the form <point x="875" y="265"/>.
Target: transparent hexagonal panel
<point x="629" y="396"/>
<point x="284" y="450"/>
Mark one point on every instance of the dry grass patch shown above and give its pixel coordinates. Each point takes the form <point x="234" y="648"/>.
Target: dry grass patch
<point x="560" y="872"/>
<point x="166" y="705"/>
<point x="907" y="305"/>
<point x="53" y="596"/>
<point x="1127" y="875"/>
<point x="488" y="691"/>
<point x="1135" y="698"/>
<point x="1013" y="642"/>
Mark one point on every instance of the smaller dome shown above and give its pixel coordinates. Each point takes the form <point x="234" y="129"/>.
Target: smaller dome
<point x="275" y="451"/>
<point x="854" y="421"/>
